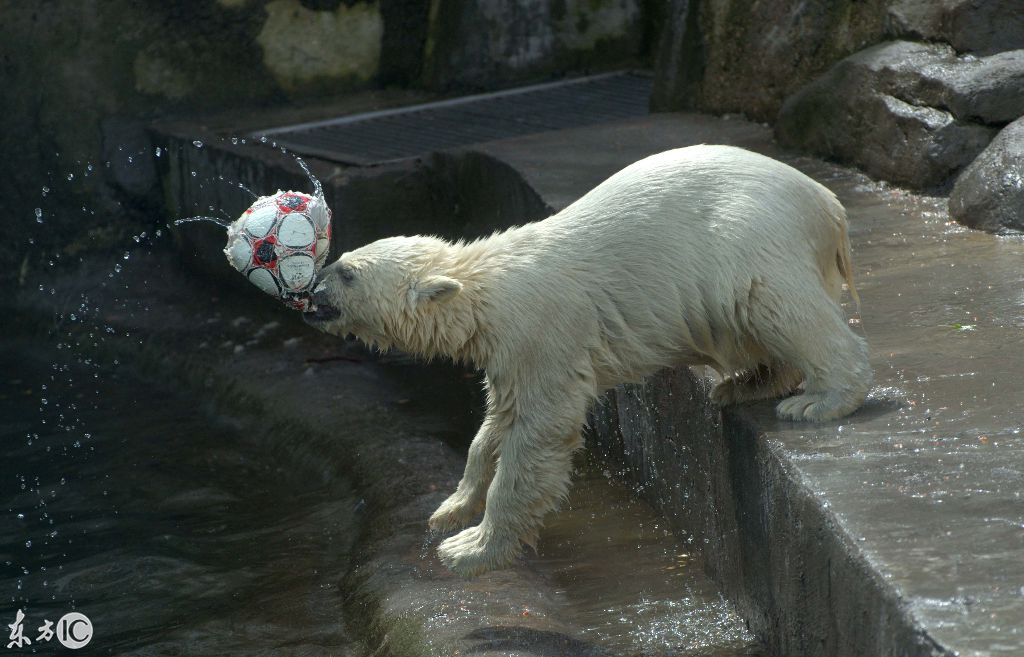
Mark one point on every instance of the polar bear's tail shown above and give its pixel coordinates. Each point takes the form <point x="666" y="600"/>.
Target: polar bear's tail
<point x="844" y="258"/>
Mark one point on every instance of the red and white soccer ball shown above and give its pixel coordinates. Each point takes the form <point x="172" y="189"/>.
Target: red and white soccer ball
<point x="280" y="243"/>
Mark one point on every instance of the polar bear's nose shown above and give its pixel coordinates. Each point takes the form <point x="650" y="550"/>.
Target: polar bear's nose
<point x="320" y="296"/>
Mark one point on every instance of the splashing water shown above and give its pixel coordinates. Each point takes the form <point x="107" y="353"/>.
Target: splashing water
<point x="220" y="222"/>
<point x="246" y="189"/>
<point x="318" y="189"/>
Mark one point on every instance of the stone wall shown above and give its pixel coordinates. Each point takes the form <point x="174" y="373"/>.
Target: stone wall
<point x="910" y="91"/>
<point x="751" y="55"/>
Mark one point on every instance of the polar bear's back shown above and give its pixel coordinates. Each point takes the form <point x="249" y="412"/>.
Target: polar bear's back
<point x="713" y="202"/>
<point x="682" y="237"/>
<point x="711" y="193"/>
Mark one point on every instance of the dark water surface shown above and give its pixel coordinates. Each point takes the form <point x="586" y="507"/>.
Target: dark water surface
<point x="169" y="526"/>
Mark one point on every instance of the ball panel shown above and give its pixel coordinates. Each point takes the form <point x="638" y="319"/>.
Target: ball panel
<point x="297" y="271"/>
<point x="319" y="213"/>
<point x="264" y="280"/>
<point x="293" y="201"/>
<point x="239" y="253"/>
<point x="323" y="245"/>
<point x="296" y="231"/>
<point x="259" y="223"/>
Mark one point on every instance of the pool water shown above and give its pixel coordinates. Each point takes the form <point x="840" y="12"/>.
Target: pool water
<point x="166" y="523"/>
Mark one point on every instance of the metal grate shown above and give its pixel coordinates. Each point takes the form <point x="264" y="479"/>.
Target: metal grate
<point x="406" y="132"/>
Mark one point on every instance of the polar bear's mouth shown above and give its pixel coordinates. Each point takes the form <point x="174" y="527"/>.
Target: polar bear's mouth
<point x="321" y="312"/>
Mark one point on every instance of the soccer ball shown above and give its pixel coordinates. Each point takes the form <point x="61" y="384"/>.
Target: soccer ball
<point x="280" y="243"/>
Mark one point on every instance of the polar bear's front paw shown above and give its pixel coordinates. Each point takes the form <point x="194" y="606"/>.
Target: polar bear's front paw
<point x="813" y="406"/>
<point x="469" y="553"/>
<point x="454" y="513"/>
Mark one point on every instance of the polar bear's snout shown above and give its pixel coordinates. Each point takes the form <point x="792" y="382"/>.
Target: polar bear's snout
<point x="322" y="308"/>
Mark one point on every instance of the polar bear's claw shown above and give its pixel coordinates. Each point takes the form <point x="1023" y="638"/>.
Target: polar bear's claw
<point x="469" y="554"/>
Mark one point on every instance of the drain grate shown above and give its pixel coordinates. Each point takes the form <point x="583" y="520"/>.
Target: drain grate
<point x="401" y="133"/>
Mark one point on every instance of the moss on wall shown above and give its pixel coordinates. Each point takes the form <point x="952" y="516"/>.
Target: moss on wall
<point x="303" y="46"/>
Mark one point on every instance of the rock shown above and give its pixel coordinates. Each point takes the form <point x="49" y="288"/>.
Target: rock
<point x="885" y="110"/>
<point x="989" y="194"/>
<point x="986" y="89"/>
<point x="982" y="27"/>
<point x="990" y="89"/>
<point x="748" y="56"/>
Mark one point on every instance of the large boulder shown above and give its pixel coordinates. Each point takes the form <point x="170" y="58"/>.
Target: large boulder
<point x="904" y="111"/>
<point x="989" y="194"/>
<point x="978" y="26"/>
<point x="984" y="89"/>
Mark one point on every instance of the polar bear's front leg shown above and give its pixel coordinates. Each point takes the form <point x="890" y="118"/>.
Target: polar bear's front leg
<point x="532" y="477"/>
<point x="468" y="499"/>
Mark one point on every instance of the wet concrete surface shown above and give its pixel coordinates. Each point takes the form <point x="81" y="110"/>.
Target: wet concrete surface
<point x="921" y="490"/>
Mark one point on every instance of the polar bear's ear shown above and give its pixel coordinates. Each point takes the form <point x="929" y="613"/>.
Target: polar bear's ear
<point x="434" y="288"/>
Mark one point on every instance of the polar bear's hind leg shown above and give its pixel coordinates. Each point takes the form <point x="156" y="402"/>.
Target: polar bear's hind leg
<point x="807" y="330"/>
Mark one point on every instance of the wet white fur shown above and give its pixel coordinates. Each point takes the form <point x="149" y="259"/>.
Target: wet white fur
<point x="703" y="255"/>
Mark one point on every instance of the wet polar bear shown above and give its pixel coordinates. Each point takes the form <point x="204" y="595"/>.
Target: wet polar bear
<point x="706" y="255"/>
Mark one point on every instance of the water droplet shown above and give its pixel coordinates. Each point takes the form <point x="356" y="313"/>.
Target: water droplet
<point x="234" y="140"/>
<point x="46" y="190"/>
<point x="197" y="143"/>
<point x="158" y="151"/>
<point x="21" y="516"/>
<point x="88" y="167"/>
<point x="28" y="544"/>
<point x="126" y="255"/>
<point x="71" y="176"/>
<point x="39" y="215"/>
<point x="117" y="267"/>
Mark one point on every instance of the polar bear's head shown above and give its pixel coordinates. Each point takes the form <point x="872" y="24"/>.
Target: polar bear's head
<point x="398" y="292"/>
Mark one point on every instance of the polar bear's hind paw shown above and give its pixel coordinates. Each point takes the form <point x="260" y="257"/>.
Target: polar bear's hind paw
<point x="468" y="554"/>
<point x="814" y="407"/>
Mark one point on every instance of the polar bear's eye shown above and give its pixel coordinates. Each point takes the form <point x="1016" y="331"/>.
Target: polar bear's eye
<point x="347" y="274"/>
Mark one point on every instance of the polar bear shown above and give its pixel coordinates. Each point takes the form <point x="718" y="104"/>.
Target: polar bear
<point x="709" y="255"/>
